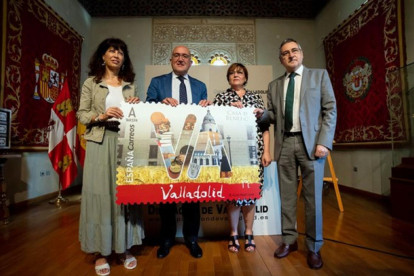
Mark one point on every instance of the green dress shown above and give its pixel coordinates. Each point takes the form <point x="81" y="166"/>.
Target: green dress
<point x="105" y="226"/>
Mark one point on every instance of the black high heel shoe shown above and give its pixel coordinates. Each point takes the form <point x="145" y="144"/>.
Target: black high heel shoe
<point x="233" y="243"/>
<point x="249" y="243"/>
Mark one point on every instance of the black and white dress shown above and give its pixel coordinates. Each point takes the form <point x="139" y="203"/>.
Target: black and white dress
<point x="249" y="99"/>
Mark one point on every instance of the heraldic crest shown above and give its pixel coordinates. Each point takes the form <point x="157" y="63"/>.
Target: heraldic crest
<point x="49" y="81"/>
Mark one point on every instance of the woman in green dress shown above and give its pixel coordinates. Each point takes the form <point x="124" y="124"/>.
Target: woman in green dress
<point x="105" y="226"/>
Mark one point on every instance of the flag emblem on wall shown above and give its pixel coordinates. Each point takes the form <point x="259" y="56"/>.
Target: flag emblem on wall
<point x="62" y="136"/>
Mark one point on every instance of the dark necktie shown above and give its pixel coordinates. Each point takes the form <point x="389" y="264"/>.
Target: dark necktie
<point x="183" y="90"/>
<point x="289" y="102"/>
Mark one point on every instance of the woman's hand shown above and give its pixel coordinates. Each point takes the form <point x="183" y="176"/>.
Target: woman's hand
<point x="237" y="104"/>
<point x="204" y="103"/>
<point x="113" y="112"/>
<point x="266" y="158"/>
<point x="133" y="100"/>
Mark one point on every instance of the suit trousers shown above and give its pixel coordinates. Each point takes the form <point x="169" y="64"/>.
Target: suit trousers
<point x="191" y="223"/>
<point x="293" y="155"/>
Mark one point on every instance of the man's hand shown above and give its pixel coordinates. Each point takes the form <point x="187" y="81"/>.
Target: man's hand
<point x="170" y="101"/>
<point x="204" y="103"/>
<point x="258" y="112"/>
<point x="321" y="151"/>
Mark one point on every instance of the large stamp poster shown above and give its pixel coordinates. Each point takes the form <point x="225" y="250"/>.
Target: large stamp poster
<point x="186" y="153"/>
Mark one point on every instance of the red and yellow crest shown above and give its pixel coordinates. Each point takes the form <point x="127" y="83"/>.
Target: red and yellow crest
<point x="49" y="81"/>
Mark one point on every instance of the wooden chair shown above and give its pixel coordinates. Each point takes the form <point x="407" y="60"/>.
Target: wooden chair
<point x="333" y="179"/>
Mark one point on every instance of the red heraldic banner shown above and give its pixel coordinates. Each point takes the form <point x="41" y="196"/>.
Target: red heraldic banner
<point x="62" y="137"/>
<point x="39" y="52"/>
<point x="187" y="153"/>
<point x="360" y="54"/>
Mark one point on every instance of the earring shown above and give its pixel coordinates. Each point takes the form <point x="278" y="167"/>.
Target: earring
<point x="103" y="63"/>
<point x="123" y="66"/>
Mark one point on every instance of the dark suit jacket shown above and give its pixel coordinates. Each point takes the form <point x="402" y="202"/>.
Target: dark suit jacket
<point x="160" y="88"/>
<point x="317" y="112"/>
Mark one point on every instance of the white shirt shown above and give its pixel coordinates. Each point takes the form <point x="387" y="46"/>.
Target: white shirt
<point x="176" y="88"/>
<point x="296" y="99"/>
<point x="114" y="98"/>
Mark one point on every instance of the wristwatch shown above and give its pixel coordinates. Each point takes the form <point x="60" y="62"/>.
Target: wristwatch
<point x="97" y="119"/>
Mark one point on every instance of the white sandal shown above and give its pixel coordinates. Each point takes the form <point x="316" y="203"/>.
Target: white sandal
<point x="100" y="268"/>
<point x="128" y="261"/>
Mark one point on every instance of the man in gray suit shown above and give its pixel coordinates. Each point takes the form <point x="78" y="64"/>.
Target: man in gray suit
<point x="302" y="105"/>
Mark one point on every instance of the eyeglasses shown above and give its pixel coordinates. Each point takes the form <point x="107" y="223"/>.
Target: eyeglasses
<point x="294" y="51"/>
<point x="177" y="55"/>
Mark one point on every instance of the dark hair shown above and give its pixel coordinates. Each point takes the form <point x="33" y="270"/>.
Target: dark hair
<point x="233" y="67"/>
<point x="98" y="70"/>
<point x="288" y="40"/>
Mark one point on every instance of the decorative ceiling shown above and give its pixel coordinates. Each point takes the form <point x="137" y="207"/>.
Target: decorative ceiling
<point x="299" y="9"/>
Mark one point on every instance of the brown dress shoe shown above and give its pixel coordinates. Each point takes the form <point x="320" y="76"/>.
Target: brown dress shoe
<point x="314" y="260"/>
<point x="286" y="249"/>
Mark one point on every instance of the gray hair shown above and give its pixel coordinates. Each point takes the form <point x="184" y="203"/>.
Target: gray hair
<point x="287" y="40"/>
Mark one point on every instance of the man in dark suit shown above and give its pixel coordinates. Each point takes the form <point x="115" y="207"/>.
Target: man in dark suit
<point x="302" y="105"/>
<point x="176" y="88"/>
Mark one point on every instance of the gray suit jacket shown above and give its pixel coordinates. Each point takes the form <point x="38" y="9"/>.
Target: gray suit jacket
<point x="317" y="110"/>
